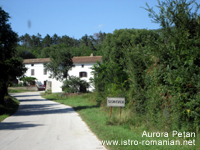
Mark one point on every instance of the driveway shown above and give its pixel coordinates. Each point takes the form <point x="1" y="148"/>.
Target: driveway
<point x="40" y="124"/>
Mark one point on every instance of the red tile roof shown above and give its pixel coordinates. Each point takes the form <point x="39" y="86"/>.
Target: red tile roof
<point x="84" y="59"/>
<point x="36" y="60"/>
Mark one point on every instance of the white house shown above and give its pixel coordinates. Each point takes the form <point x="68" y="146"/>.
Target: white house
<point x="82" y="68"/>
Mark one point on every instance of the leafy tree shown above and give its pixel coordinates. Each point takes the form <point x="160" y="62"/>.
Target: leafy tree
<point x="47" y="41"/>
<point x="39" y="39"/>
<point x="11" y="65"/>
<point x="176" y="54"/>
<point x="36" y="40"/>
<point x="109" y="80"/>
<point x="120" y="50"/>
<point x="73" y="84"/>
<point x="56" y="39"/>
<point x="88" y="41"/>
<point x="30" y="41"/>
<point x="34" y="46"/>
<point x="61" y="62"/>
<point x="99" y="37"/>
<point x="24" y="53"/>
<point x="85" y="40"/>
<point x="67" y="40"/>
<point x="21" y="40"/>
<point x="75" y="42"/>
<point x="30" y="80"/>
<point x="45" y="52"/>
<point x="27" y="40"/>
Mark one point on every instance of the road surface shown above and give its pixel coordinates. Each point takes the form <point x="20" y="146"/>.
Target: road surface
<point x="40" y="124"/>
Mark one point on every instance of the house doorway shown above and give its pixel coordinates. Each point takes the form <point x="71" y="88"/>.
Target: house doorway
<point x="82" y="89"/>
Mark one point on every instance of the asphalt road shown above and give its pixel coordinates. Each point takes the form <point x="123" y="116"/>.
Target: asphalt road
<point x="40" y="124"/>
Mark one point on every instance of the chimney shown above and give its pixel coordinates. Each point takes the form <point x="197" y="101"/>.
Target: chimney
<point x="91" y="55"/>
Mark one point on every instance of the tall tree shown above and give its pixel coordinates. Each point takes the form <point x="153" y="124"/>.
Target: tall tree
<point x="27" y="40"/>
<point x="34" y="41"/>
<point x="67" y="40"/>
<point x="10" y="65"/>
<point x="47" y="41"/>
<point x="55" y="39"/>
<point x="85" y="40"/>
<point x="99" y="37"/>
<point x="39" y="40"/>
<point x="178" y="57"/>
<point x="21" y="40"/>
<point x="61" y="62"/>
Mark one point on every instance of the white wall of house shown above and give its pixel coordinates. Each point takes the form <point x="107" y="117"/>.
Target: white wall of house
<point x="82" y="67"/>
<point x="56" y="86"/>
<point x="39" y="73"/>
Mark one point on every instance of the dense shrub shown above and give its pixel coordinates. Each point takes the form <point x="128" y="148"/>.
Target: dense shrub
<point x="157" y="71"/>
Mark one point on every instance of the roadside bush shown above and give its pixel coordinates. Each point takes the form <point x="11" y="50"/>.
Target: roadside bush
<point x="157" y="71"/>
<point x="11" y="106"/>
<point x="73" y="84"/>
<point x="29" y="80"/>
<point x="174" y="81"/>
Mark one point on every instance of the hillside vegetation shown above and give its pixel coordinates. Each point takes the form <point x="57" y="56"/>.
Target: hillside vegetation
<point x="156" y="71"/>
<point x="37" y="47"/>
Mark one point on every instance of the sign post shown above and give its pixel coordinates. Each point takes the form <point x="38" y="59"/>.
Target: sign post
<point x="115" y="102"/>
<point x="120" y="112"/>
<point x="110" y="111"/>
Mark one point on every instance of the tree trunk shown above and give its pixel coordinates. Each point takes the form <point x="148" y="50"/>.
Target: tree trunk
<point x="6" y="89"/>
<point x="3" y="91"/>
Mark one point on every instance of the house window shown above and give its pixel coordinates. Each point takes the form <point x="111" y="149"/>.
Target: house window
<point x="82" y="74"/>
<point x="45" y="71"/>
<point x="82" y="65"/>
<point x="32" y="72"/>
<point x="32" y="64"/>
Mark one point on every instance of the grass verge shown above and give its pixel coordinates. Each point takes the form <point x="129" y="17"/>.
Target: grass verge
<point x="17" y="90"/>
<point x="11" y="107"/>
<point x="97" y="118"/>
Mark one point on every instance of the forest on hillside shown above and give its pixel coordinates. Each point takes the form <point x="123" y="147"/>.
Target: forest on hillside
<point x="34" y="46"/>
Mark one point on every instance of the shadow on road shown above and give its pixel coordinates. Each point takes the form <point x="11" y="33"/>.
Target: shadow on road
<point x="85" y="107"/>
<point x="33" y="104"/>
<point x="30" y="100"/>
<point x="25" y="95"/>
<point x="16" y="125"/>
<point x="41" y="109"/>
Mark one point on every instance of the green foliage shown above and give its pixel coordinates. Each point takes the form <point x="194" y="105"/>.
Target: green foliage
<point x="123" y="65"/>
<point x="61" y="62"/>
<point x="75" y="51"/>
<point x="73" y="84"/>
<point x="48" y="92"/>
<point x="10" y="64"/>
<point x="10" y="107"/>
<point x="24" y="53"/>
<point x="47" y="41"/>
<point x="36" y="47"/>
<point x="156" y="71"/>
<point x="110" y="79"/>
<point x="30" y="80"/>
<point x="177" y="53"/>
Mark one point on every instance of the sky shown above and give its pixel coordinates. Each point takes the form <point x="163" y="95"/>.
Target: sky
<point x="75" y="18"/>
